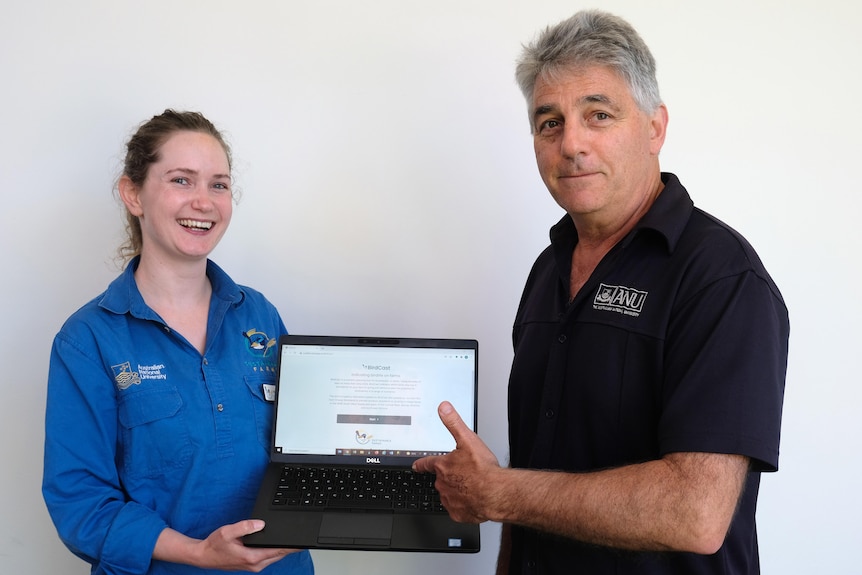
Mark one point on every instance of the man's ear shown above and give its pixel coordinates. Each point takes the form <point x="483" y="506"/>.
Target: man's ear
<point x="658" y="127"/>
<point x="129" y="195"/>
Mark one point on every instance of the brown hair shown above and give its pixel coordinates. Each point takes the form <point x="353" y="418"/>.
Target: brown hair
<point x="142" y="150"/>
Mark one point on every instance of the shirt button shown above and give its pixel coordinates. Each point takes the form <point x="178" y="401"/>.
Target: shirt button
<point x="562" y="338"/>
<point x="206" y="361"/>
<point x="220" y="407"/>
<point x="549" y="414"/>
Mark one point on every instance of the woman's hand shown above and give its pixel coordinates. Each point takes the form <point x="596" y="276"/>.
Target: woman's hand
<point x="222" y="549"/>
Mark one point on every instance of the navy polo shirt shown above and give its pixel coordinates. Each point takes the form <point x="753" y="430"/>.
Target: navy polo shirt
<point x="676" y="343"/>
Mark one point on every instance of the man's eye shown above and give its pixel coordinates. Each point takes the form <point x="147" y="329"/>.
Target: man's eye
<point x="549" y="125"/>
<point x="602" y="116"/>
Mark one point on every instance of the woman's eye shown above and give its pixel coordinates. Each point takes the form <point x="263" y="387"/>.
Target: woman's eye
<point x="180" y="180"/>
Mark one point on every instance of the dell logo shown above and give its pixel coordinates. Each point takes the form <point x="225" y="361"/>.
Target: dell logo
<point x="372" y="460"/>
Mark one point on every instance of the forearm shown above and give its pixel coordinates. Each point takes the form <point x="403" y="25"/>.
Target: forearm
<point x="684" y="502"/>
<point x="174" y="547"/>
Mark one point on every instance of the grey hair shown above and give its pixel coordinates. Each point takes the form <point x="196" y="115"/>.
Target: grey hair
<point x="590" y="38"/>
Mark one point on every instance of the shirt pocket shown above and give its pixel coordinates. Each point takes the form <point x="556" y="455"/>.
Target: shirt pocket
<point x="155" y="433"/>
<point x="263" y="409"/>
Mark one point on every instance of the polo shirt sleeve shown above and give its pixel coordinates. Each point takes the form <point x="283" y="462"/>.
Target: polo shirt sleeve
<point x="81" y="485"/>
<point x="726" y="359"/>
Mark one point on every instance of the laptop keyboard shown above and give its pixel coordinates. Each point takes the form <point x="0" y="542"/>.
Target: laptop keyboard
<point x="365" y="487"/>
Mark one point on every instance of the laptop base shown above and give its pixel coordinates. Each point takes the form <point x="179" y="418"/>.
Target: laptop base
<point x="367" y="531"/>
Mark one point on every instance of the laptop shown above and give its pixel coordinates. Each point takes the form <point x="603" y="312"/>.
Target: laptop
<point x="352" y="414"/>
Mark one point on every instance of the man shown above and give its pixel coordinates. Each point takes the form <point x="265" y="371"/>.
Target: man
<point x="650" y="345"/>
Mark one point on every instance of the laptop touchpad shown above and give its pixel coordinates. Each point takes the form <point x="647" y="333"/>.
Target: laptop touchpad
<point x="356" y="528"/>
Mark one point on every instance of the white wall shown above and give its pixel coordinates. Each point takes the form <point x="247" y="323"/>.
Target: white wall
<point x="390" y="189"/>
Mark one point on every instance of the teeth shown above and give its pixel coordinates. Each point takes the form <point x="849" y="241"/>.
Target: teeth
<point x="196" y="224"/>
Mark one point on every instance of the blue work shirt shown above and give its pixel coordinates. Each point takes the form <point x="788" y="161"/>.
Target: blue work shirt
<point x="143" y="432"/>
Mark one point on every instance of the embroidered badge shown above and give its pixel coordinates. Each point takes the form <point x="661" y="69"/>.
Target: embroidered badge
<point x="124" y="376"/>
<point x="258" y="342"/>
<point x="620" y="299"/>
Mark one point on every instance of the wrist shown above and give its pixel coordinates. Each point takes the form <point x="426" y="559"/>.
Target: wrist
<point x="174" y="547"/>
<point x="498" y="502"/>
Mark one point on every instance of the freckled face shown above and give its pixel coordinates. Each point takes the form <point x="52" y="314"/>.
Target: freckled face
<point x="185" y="203"/>
<point x="596" y="150"/>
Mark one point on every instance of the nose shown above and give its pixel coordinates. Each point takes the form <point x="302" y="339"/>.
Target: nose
<point x="574" y="141"/>
<point x="201" y="199"/>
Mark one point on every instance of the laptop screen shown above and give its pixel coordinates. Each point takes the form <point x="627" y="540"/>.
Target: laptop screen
<point x="368" y="398"/>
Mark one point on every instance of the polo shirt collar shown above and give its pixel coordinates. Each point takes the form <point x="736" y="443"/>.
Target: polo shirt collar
<point x="122" y="295"/>
<point x="668" y="216"/>
<point x="669" y="213"/>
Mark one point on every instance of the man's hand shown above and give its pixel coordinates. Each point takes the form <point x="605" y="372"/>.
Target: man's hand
<point x="464" y="476"/>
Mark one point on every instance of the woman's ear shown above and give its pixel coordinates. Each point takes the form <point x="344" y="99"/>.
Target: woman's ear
<point x="129" y="194"/>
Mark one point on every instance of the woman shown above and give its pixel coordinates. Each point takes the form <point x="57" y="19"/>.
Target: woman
<point x="157" y="425"/>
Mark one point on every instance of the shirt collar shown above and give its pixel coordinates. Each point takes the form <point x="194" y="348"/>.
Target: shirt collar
<point x="122" y="295"/>
<point x="668" y="217"/>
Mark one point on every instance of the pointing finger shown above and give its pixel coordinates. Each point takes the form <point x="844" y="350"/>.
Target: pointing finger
<point x="426" y="464"/>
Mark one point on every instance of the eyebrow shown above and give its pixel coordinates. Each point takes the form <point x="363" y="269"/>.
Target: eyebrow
<point x="588" y="99"/>
<point x="597" y="99"/>
<point x="192" y="172"/>
<point x="542" y="110"/>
